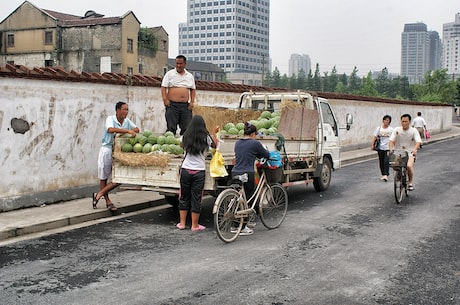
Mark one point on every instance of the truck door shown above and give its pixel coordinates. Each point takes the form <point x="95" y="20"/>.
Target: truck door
<point x="330" y="134"/>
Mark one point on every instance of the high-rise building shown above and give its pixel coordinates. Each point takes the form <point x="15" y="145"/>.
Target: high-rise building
<point x="297" y="63"/>
<point x="420" y="51"/>
<point x="451" y="47"/>
<point x="232" y="34"/>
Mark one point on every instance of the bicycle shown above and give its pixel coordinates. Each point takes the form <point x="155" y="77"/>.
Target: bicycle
<point x="398" y="161"/>
<point x="231" y="209"/>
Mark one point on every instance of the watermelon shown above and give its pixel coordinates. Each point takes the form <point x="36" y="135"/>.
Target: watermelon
<point x="137" y="147"/>
<point x="142" y="140"/>
<point x="233" y="131"/>
<point x="127" y="147"/>
<point x="147" y="133"/>
<point x="168" y="133"/>
<point x="266" y="114"/>
<point x="161" y="140"/>
<point x="170" y="140"/>
<point x="132" y="141"/>
<point x="152" y="139"/>
<point x="147" y="148"/>
<point x="228" y="126"/>
<point x="240" y="126"/>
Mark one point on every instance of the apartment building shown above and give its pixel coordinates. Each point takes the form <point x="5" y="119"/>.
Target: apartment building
<point x="232" y="34"/>
<point x="451" y="47"/>
<point x="297" y="63"/>
<point x="420" y="51"/>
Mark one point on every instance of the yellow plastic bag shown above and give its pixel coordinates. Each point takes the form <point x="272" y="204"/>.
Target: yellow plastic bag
<point x="217" y="165"/>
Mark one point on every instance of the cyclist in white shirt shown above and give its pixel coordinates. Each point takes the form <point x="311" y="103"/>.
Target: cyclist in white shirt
<point x="407" y="138"/>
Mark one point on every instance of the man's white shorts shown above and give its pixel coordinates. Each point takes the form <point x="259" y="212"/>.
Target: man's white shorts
<point x="104" y="163"/>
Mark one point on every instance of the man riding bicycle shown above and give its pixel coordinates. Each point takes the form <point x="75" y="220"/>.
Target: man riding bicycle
<point x="407" y="138"/>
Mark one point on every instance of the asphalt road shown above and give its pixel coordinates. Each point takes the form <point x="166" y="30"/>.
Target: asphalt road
<point x="349" y="245"/>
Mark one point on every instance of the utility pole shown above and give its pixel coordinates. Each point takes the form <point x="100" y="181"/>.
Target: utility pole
<point x="263" y="69"/>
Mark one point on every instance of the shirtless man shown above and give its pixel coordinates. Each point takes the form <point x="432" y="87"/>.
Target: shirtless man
<point x="178" y="93"/>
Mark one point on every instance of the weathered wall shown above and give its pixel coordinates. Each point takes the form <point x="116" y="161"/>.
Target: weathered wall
<point x="56" y="158"/>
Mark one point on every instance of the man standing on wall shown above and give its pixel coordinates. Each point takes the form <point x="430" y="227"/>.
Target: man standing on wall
<point x="178" y="93"/>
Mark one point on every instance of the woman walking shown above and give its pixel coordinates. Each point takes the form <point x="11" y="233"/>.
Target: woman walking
<point x="196" y="142"/>
<point x="383" y="133"/>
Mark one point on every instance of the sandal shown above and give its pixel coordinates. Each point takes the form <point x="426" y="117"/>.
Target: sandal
<point x="180" y="227"/>
<point x="199" y="228"/>
<point x="112" y="207"/>
<point x="410" y="187"/>
<point x="95" y="201"/>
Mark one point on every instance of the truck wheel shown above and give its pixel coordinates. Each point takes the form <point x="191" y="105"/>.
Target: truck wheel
<point x="173" y="200"/>
<point x="322" y="182"/>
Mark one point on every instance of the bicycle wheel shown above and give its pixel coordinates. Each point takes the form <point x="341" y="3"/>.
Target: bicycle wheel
<point x="273" y="206"/>
<point x="399" y="186"/>
<point x="224" y="215"/>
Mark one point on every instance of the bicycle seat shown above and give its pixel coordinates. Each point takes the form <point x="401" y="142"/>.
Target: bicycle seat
<point x="243" y="178"/>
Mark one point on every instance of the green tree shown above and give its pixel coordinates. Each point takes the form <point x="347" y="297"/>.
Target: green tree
<point x="369" y="87"/>
<point x="333" y="79"/>
<point x="354" y="82"/>
<point x="309" y="81"/>
<point x="400" y="88"/>
<point x="301" y="80"/>
<point x="436" y="87"/>
<point x="276" y="79"/>
<point x="343" y="79"/>
<point x="268" y="80"/>
<point x="325" y="82"/>
<point x="383" y="83"/>
<point x="147" y="39"/>
<point x="316" y="85"/>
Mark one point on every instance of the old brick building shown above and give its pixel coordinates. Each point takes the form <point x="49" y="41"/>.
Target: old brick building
<point x="36" y="37"/>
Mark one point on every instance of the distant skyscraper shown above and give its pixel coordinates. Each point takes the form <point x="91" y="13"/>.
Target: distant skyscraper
<point x="231" y="34"/>
<point x="451" y="47"/>
<point x="299" y="62"/>
<point x="420" y="51"/>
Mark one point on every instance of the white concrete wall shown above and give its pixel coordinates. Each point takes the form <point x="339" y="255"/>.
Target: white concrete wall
<point x="59" y="152"/>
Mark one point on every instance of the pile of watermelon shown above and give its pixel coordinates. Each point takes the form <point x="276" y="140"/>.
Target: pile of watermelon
<point x="267" y="124"/>
<point x="147" y="142"/>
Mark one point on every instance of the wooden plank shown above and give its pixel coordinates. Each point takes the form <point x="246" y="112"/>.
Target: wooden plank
<point x="298" y="123"/>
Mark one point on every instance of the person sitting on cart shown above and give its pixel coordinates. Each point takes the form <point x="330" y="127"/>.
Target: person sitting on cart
<point x="406" y="138"/>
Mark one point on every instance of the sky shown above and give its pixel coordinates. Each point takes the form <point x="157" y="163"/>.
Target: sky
<point x="365" y="34"/>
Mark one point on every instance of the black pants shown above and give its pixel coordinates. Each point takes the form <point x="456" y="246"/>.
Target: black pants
<point x="177" y="114"/>
<point x="384" y="162"/>
<point x="249" y="186"/>
<point x="191" y="189"/>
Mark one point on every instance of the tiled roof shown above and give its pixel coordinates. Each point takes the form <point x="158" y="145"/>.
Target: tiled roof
<point x="66" y="20"/>
<point x="59" y="74"/>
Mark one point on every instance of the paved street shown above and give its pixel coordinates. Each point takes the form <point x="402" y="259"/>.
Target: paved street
<point x="349" y="245"/>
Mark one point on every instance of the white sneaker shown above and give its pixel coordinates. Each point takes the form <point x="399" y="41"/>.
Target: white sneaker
<point x="246" y="231"/>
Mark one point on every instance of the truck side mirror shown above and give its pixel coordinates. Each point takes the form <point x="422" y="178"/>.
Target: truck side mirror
<point x="349" y="119"/>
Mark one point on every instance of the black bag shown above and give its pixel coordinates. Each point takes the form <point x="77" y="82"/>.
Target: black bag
<point x="377" y="141"/>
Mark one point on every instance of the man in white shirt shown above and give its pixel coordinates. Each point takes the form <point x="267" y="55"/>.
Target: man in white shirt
<point x="420" y="124"/>
<point x="178" y="94"/>
<point x="407" y="138"/>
